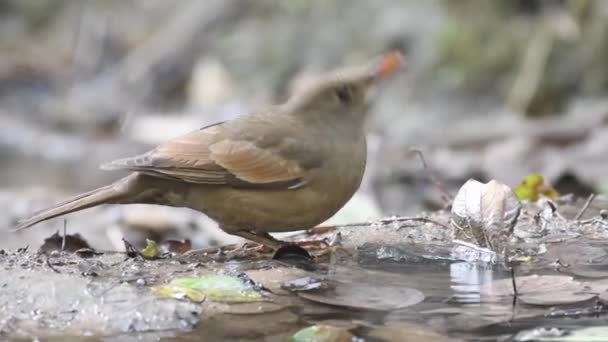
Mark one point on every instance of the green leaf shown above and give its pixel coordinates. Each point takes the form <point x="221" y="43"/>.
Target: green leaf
<point x="151" y="251"/>
<point x="217" y="288"/>
<point x="533" y="186"/>
<point x="322" y="333"/>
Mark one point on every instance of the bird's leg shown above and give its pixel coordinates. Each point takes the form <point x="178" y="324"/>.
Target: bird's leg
<point x="333" y="244"/>
<point x="264" y="239"/>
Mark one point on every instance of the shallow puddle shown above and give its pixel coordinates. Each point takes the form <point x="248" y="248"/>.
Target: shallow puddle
<point x="380" y="300"/>
<point x="411" y="292"/>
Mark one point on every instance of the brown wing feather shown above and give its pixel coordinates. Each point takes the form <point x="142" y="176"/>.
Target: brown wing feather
<point x="190" y="150"/>
<point x="253" y="164"/>
<point x="208" y="156"/>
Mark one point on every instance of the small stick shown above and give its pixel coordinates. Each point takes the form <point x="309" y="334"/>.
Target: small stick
<point x="585" y="207"/>
<point x="65" y="229"/>
<point x="386" y="221"/>
<point x="414" y="218"/>
<point x="131" y="251"/>
<point x="514" y="284"/>
<point x="447" y="196"/>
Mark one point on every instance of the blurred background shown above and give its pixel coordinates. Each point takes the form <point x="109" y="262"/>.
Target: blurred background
<point x="493" y="90"/>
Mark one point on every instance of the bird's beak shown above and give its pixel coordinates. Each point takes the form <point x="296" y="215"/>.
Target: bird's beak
<point x="386" y="65"/>
<point x="380" y="69"/>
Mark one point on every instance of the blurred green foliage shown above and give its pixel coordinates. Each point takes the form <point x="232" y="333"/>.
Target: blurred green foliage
<point x="552" y="50"/>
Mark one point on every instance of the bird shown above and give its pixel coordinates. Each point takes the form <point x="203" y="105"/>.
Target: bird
<point x="287" y="167"/>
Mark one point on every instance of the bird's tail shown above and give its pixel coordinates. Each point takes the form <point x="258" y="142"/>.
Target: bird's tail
<point x="113" y="193"/>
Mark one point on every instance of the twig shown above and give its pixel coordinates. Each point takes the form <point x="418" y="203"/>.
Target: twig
<point x="386" y="221"/>
<point x="48" y="263"/>
<point x="514" y="284"/>
<point x="445" y="193"/>
<point x="585" y="207"/>
<point x="596" y="220"/>
<point x="414" y="218"/>
<point x="65" y="229"/>
<point x="131" y="251"/>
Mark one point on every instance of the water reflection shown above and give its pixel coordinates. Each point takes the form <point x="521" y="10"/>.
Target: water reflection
<point x="466" y="280"/>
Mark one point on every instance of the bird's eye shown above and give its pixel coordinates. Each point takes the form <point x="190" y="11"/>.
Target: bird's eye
<point x="344" y="95"/>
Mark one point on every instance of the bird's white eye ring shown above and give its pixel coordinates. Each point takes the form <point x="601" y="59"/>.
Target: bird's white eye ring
<point x="344" y="95"/>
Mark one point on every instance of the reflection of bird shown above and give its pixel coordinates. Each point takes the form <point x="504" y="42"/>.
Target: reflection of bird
<point x="286" y="168"/>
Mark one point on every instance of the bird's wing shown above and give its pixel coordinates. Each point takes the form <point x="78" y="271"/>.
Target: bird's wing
<point x="210" y="156"/>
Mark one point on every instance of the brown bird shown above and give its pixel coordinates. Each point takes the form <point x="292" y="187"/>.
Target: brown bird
<point x="285" y="168"/>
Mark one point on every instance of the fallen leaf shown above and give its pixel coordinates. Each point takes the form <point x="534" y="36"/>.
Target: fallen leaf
<point x="485" y="213"/>
<point x="177" y="292"/>
<point x="533" y="186"/>
<point x="322" y="333"/>
<point x="385" y="298"/>
<point x="217" y="288"/>
<point x="151" y="251"/>
<point x="546" y="290"/>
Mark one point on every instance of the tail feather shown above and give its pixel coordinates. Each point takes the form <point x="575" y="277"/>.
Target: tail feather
<point x="106" y="194"/>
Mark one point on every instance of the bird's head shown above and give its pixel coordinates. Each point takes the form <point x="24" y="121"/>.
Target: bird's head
<point x="344" y="92"/>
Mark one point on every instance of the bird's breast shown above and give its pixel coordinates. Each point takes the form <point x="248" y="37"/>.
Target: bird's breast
<point x="343" y="172"/>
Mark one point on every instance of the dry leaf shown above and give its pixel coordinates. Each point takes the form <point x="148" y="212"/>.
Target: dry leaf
<point x="368" y="297"/>
<point x="541" y="290"/>
<point x="485" y="213"/>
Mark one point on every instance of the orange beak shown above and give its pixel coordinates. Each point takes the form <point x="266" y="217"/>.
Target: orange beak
<point x="389" y="64"/>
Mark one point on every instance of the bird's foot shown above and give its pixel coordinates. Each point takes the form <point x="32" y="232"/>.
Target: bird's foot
<point x="256" y="248"/>
<point x="325" y="246"/>
<point x="262" y="238"/>
<point x="266" y="244"/>
<point x="312" y="244"/>
<point x="331" y="240"/>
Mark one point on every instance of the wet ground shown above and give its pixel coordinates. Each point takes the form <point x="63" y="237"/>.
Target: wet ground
<point x="392" y="280"/>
